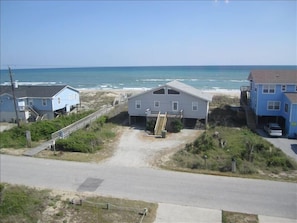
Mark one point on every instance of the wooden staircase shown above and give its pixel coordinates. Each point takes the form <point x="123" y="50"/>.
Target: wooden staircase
<point x="250" y="118"/>
<point x="34" y="112"/>
<point x="160" y="123"/>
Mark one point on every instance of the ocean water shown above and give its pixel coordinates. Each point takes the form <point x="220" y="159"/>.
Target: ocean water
<point x="213" y="78"/>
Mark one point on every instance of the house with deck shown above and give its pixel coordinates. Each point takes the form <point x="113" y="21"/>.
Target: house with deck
<point x="36" y="102"/>
<point x="174" y="100"/>
<point x="272" y="97"/>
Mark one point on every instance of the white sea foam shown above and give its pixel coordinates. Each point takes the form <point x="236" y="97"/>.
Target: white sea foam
<point x="223" y="91"/>
<point x="238" y="81"/>
<point x="160" y="79"/>
<point x="136" y="89"/>
<point x="29" y="83"/>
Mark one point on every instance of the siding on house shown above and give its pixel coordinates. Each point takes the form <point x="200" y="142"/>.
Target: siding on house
<point x="45" y="100"/>
<point x="173" y="98"/>
<point x="67" y="97"/>
<point x="7" y="111"/>
<point x="290" y="113"/>
<point x="274" y="93"/>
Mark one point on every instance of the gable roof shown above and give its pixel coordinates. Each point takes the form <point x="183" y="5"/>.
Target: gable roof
<point x="189" y="90"/>
<point x="274" y="76"/>
<point x="34" y="91"/>
<point x="176" y="85"/>
<point x="292" y="97"/>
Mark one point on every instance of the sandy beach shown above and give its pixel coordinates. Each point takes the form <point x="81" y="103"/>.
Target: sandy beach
<point x="114" y="92"/>
<point x="96" y="98"/>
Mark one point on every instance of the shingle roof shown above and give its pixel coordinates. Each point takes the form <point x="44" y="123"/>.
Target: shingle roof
<point x="274" y="76"/>
<point x="292" y="97"/>
<point x="189" y="90"/>
<point x="183" y="88"/>
<point x="33" y="91"/>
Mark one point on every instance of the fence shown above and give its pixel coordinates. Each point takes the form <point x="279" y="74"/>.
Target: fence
<point x="63" y="133"/>
<point x="108" y="206"/>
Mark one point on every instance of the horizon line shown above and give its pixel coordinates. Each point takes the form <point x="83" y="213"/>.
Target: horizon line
<point x="27" y="67"/>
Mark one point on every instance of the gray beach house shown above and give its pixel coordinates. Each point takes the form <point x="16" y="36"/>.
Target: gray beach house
<point x="174" y="100"/>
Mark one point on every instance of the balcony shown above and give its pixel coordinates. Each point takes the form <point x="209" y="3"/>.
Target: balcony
<point x="170" y="114"/>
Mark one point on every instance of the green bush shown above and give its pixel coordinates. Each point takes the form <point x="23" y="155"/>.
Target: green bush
<point x="80" y="141"/>
<point x="42" y="130"/>
<point x="22" y="204"/>
<point x="87" y="140"/>
<point x="176" y="125"/>
<point x="251" y="152"/>
<point x="201" y="144"/>
<point x="150" y="125"/>
<point x="247" y="168"/>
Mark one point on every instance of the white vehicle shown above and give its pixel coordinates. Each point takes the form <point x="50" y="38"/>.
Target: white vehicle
<point x="273" y="129"/>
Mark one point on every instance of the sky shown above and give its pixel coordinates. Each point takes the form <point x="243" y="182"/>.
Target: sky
<point x="147" y="33"/>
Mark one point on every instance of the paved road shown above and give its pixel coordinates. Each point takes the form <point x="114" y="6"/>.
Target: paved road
<point x="288" y="146"/>
<point x="234" y="194"/>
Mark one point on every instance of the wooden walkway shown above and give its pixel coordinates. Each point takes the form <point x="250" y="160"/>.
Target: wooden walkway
<point x="38" y="149"/>
<point x="250" y="118"/>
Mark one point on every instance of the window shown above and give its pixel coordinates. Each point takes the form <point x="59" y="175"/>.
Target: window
<point x="59" y="100"/>
<point x="160" y="91"/>
<point x="174" y="106"/>
<point x="268" y="89"/>
<point x="44" y="102"/>
<point x="157" y="104"/>
<point x="171" y="91"/>
<point x="195" y="106"/>
<point x="138" y="104"/>
<point x="273" y="105"/>
<point x="284" y="88"/>
<point x="286" y="108"/>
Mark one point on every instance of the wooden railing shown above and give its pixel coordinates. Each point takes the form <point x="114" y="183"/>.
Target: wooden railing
<point x="160" y="123"/>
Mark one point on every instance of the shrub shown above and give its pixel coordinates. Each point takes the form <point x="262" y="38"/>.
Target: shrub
<point x="16" y="137"/>
<point x="80" y="141"/>
<point x="87" y="140"/>
<point x="201" y="144"/>
<point x="247" y="168"/>
<point x="22" y="203"/>
<point x="277" y="161"/>
<point x="150" y="125"/>
<point x="176" y="125"/>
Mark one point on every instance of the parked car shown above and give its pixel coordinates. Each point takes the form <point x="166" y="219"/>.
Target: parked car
<point x="273" y="129"/>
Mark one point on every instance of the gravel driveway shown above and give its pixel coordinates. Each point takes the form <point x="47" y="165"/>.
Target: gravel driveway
<point x="136" y="148"/>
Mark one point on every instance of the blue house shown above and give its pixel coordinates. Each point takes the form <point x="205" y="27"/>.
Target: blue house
<point x="36" y="102"/>
<point x="272" y="96"/>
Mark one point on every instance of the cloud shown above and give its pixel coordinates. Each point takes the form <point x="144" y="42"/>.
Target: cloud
<point x="217" y="1"/>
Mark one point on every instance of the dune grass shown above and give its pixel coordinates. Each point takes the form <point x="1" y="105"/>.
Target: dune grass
<point x="24" y="204"/>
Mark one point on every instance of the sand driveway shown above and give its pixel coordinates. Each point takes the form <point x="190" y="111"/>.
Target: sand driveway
<point x="136" y="148"/>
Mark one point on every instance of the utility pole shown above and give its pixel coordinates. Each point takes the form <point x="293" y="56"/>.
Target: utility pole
<point x="14" y="98"/>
